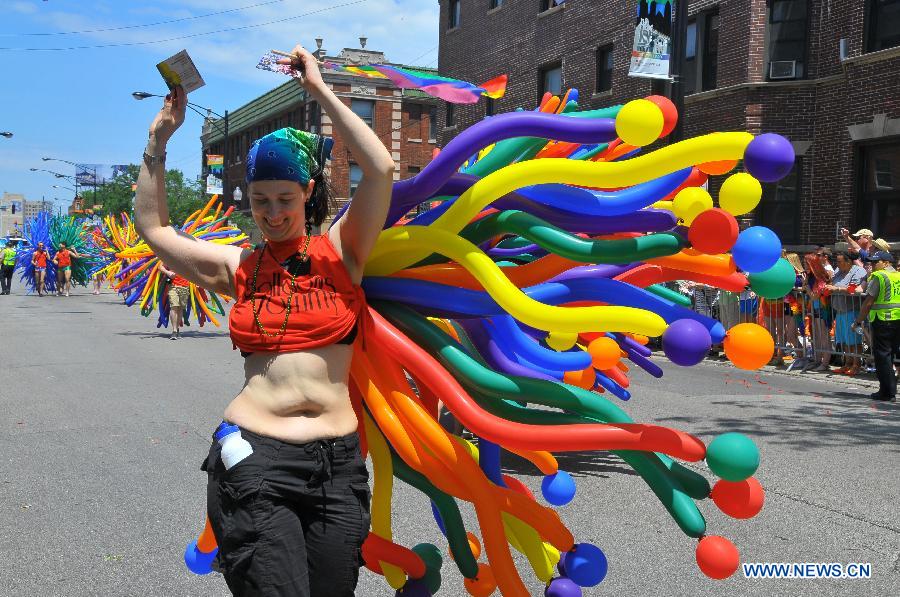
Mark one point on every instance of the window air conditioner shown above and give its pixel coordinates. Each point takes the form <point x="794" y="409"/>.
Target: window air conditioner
<point x="783" y="69"/>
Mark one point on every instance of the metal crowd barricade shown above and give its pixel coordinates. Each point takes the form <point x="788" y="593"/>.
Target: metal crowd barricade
<point x="832" y="332"/>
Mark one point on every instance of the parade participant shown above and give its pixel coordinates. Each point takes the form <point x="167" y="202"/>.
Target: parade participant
<point x="882" y="308"/>
<point x="63" y="262"/>
<point x="178" y="299"/>
<point x="8" y="267"/>
<point x="39" y="261"/>
<point x="290" y="509"/>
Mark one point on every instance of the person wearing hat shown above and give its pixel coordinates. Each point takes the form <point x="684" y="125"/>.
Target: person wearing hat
<point x="863" y="243"/>
<point x="882" y="308"/>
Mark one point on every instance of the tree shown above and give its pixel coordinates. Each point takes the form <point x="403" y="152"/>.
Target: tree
<point x="183" y="196"/>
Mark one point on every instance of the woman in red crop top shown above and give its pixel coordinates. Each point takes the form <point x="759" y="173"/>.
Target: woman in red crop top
<point x="290" y="517"/>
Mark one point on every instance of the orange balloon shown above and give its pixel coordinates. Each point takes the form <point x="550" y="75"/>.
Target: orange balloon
<point x="604" y="353"/>
<point x="738" y="499"/>
<point x="482" y="585"/>
<point x="669" y="112"/>
<point x="717" y="168"/>
<point x="717" y="557"/>
<point x="584" y="379"/>
<point x="749" y="346"/>
<point x="474" y="544"/>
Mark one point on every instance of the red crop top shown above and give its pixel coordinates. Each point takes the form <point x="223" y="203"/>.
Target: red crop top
<point x="324" y="309"/>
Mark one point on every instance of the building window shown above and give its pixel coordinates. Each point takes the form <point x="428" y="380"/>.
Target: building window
<point x="882" y="25"/>
<point x="415" y="112"/>
<point x="551" y="79"/>
<point x="432" y="123"/>
<point x="787" y="39"/>
<point x="779" y="209"/>
<point x="451" y="115"/>
<point x="365" y="109"/>
<point x="548" y="4"/>
<point x="490" y="108"/>
<point x="711" y="52"/>
<point x="412" y="171"/>
<point x="453" y="16"/>
<point x="355" y="177"/>
<point x="604" y="68"/>
<point x="315" y="117"/>
<point x="879" y="206"/>
<point x="689" y="69"/>
<point x="495" y="3"/>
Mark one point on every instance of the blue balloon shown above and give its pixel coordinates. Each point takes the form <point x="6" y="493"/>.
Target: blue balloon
<point x="756" y="250"/>
<point x="438" y="519"/>
<point x="562" y="587"/>
<point x="197" y="561"/>
<point x="586" y="565"/>
<point x="686" y="342"/>
<point x="558" y="489"/>
<point x="769" y="157"/>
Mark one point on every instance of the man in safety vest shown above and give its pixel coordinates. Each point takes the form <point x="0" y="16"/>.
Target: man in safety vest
<point x="882" y="305"/>
<point x="8" y="266"/>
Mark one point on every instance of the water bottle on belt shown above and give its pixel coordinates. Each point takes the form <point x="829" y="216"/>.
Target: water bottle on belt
<point x="234" y="447"/>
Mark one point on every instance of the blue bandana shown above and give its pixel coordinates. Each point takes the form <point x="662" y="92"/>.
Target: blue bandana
<point x="288" y="154"/>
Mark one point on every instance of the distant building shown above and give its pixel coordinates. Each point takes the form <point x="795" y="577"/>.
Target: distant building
<point x="824" y="74"/>
<point x="12" y="207"/>
<point x="404" y="120"/>
<point x="33" y="208"/>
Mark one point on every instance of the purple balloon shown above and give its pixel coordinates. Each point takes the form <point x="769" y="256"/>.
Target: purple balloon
<point x="686" y="342"/>
<point x="769" y="157"/>
<point x="413" y="588"/>
<point x="562" y="587"/>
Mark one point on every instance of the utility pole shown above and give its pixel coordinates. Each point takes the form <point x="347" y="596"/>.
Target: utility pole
<point x="679" y="43"/>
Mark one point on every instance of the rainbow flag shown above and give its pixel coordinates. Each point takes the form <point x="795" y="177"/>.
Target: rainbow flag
<point x="451" y="90"/>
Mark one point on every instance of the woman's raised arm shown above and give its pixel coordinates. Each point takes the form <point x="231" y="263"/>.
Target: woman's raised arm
<point x="206" y="264"/>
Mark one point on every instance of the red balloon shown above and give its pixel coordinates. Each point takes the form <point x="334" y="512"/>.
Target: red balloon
<point x="670" y="114"/>
<point x="717" y="557"/>
<point x="739" y="499"/>
<point x="714" y="231"/>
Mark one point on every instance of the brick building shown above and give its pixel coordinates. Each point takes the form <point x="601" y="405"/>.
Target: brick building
<point x="824" y="74"/>
<point x="403" y="119"/>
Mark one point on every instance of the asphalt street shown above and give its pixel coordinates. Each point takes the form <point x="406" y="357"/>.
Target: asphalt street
<point x="104" y="423"/>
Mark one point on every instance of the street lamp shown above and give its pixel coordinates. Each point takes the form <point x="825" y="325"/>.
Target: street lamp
<point x="6" y="134"/>
<point x="142" y="95"/>
<point x="56" y="174"/>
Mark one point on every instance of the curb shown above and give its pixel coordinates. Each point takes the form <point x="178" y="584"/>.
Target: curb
<point x="859" y="381"/>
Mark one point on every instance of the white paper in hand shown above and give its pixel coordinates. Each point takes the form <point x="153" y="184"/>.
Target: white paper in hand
<point x="180" y="70"/>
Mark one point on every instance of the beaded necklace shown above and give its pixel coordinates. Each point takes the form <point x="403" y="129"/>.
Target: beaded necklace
<point x="287" y="310"/>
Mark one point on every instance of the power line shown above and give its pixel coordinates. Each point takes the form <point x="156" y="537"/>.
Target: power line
<point x="203" y="16"/>
<point x="159" y="41"/>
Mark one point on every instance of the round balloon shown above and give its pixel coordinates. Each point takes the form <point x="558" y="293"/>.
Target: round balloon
<point x="769" y="157"/>
<point x="714" y="231"/>
<point x="686" y="342"/>
<point x="775" y="282"/>
<point x="690" y="202"/>
<point x="748" y="346"/>
<point x="717" y="557"/>
<point x="430" y="554"/>
<point x="586" y="565"/>
<point x="639" y="122"/>
<point x="669" y="112"/>
<point x="756" y="250"/>
<point x="413" y="588"/>
<point x="738" y="499"/>
<point x="732" y="456"/>
<point x="559" y="488"/>
<point x="604" y="352"/>
<point x="562" y="587"/>
<point x="740" y="194"/>
<point x="560" y="341"/>
<point x="482" y="585"/>
<point x="717" y="168"/>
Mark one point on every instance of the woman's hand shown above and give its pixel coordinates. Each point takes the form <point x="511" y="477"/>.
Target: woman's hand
<point x="170" y="117"/>
<point x="307" y="65"/>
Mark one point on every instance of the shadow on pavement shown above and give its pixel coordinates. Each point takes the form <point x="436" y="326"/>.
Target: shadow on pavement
<point x="578" y="464"/>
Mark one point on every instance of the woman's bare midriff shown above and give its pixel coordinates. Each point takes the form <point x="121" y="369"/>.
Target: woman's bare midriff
<point x="296" y="397"/>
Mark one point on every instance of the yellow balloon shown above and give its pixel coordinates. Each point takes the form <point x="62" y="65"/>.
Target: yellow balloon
<point x="690" y="202"/>
<point x="393" y="253"/>
<point x="639" y="122"/>
<point x="740" y="194"/>
<point x="560" y="341"/>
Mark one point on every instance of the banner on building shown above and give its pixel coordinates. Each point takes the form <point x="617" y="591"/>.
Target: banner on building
<point x="92" y="175"/>
<point x="215" y="163"/>
<point x="652" y="40"/>
<point x="214" y="185"/>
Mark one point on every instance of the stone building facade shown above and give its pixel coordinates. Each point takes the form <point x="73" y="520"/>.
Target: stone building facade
<point x="824" y="74"/>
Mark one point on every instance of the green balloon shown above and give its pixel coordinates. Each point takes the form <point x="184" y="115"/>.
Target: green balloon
<point x="430" y="554"/>
<point x="775" y="282"/>
<point x="732" y="456"/>
<point x="432" y="580"/>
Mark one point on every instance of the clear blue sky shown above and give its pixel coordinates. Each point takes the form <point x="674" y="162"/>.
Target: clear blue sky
<point x="76" y="104"/>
